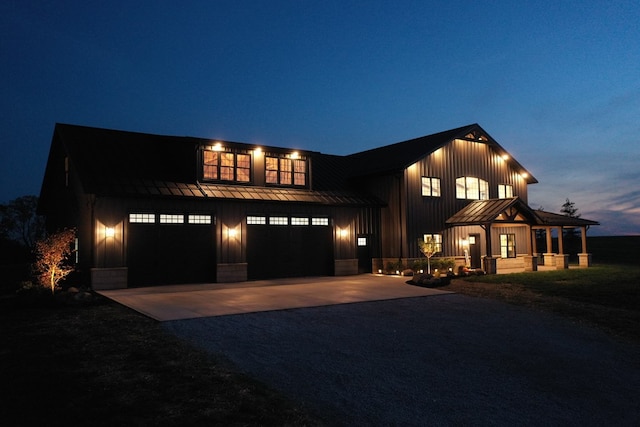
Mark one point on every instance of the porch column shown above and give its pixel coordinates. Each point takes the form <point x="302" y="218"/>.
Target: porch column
<point x="530" y="260"/>
<point x="489" y="261"/>
<point x="584" y="257"/>
<point x="549" y="260"/>
<point x="534" y="242"/>
<point x="562" y="260"/>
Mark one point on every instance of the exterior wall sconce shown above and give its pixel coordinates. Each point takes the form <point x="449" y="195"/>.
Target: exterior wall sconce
<point x="109" y="232"/>
<point x="232" y="233"/>
<point x="343" y="232"/>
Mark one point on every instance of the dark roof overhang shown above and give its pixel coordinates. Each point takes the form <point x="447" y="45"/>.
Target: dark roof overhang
<point x="550" y="219"/>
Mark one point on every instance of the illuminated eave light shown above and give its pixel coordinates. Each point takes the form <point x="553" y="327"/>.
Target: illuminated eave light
<point x="524" y="175"/>
<point x="294" y="155"/>
<point x="257" y="150"/>
<point x="216" y="147"/>
<point x="505" y="157"/>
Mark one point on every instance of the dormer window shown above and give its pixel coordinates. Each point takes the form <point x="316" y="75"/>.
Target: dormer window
<point x="226" y="166"/>
<point x="285" y="171"/>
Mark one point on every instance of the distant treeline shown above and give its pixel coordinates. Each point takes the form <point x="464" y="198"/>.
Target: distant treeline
<point x="615" y="249"/>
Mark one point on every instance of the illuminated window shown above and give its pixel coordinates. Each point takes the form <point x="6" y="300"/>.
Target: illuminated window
<point x="256" y="220"/>
<point x="278" y="220"/>
<point x="199" y="219"/>
<point x="436" y="239"/>
<point x="210" y="167"/>
<point x="283" y="171"/>
<point x="171" y="219"/>
<point x="508" y="245"/>
<point x="226" y="166"/>
<point x="472" y="188"/>
<point x="430" y="186"/>
<point x="319" y="221"/>
<point x="299" y="221"/>
<point x="362" y="241"/>
<point x="505" y="191"/>
<point x="143" y="218"/>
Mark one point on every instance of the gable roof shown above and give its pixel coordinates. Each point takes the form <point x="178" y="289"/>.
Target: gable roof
<point x="510" y="211"/>
<point x="399" y="156"/>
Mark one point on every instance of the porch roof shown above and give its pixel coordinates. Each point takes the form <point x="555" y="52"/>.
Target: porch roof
<point x="512" y="211"/>
<point x="481" y="212"/>
<point x="551" y="219"/>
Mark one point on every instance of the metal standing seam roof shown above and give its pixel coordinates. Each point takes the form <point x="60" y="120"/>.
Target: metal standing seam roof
<point x="241" y="193"/>
<point x="480" y="212"/>
<point x="554" y="219"/>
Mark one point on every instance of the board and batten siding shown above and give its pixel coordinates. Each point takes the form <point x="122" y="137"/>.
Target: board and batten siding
<point x="456" y="159"/>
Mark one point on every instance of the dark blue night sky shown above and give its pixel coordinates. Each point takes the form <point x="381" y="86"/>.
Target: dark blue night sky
<point x="557" y="83"/>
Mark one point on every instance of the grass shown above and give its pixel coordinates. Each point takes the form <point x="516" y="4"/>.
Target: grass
<point x="103" y="364"/>
<point x="606" y="296"/>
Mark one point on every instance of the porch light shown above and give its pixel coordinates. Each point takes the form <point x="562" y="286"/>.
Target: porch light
<point x="379" y="271"/>
<point x="109" y="231"/>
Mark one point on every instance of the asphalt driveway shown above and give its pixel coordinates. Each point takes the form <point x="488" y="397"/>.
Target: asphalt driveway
<point x="431" y="360"/>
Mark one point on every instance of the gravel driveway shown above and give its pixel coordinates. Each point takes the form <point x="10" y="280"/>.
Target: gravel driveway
<point x="437" y="360"/>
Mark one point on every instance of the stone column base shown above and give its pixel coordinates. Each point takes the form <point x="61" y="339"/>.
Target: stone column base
<point x="562" y="261"/>
<point x="530" y="263"/>
<point x="226" y="273"/>
<point x="549" y="260"/>
<point x="489" y="265"/>
<point x="585" y="260"/>
<point x="103" y="279"/>
<point x="345" y="267"/>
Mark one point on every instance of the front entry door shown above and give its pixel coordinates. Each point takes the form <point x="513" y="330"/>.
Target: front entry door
<point x="474" y="250"/>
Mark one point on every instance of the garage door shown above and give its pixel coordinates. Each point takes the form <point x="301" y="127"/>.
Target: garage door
<point x="170" y="249"/>
<point x="280" y="246"/>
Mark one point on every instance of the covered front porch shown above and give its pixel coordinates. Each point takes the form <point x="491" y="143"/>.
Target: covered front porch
<point x="501" y="220"/>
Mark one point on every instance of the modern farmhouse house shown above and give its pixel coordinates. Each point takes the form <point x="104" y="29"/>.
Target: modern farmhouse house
<point x="153" y="209"/>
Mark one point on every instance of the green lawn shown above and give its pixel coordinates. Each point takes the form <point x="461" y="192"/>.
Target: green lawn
<point x="605" y="295"/>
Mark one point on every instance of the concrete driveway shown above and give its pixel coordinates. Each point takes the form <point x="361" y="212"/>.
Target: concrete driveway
<point x="165" y="303"/>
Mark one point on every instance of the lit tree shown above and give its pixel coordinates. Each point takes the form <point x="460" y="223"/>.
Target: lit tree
<point x="429" y="248"/>
<point x="52" y="256"/>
